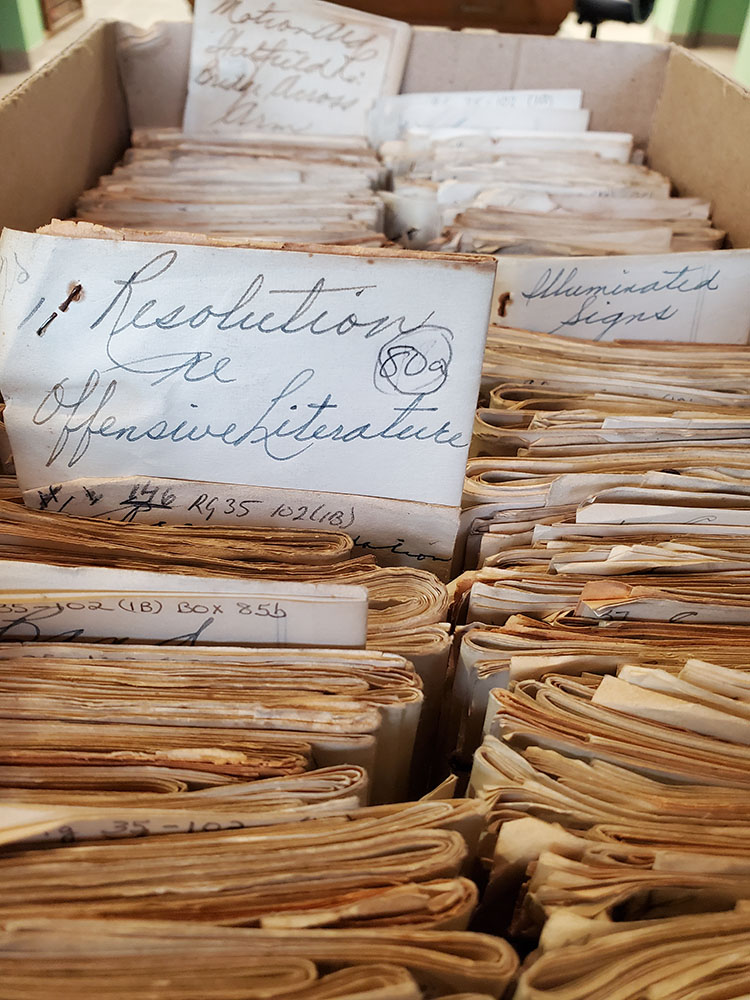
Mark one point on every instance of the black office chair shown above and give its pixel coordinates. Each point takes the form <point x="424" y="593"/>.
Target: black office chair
<point x="593" y="12"/>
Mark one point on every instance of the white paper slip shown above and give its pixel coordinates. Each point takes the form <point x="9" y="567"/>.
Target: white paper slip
<point x="298" y="67"/>
<point x="616" y="146"/>
<point x="667" y="610"/>
<point x="477" y="109"/>
<point x="397" y="532"/>
<point x="55" y="823"/>
<point x="348" y="372"/>
<point x="640" y="513"/>
<point x="96" y="603"/>
<point x="701" y="297"/>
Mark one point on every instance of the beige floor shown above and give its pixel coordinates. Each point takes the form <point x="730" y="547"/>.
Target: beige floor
<point x="145" y="12"/>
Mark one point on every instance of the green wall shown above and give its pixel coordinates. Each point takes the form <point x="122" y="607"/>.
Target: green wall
<point x="742" y="61"/>
<point x="724" y="17"/>
<point x="677" y="17"/>
<point x="21" y="25"/>
<point x="684" y="18"/>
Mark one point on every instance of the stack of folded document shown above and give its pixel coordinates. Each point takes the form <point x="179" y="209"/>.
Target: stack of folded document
<point x="314" y="189"/>
<point x="584" y="444"/>
<point x="167" y="576"/>
<point x="351" y="706"/>
<point x="565" y="193"/>
<point x="607" y="509"/>
<point x="683" y="958"/>
<point x="490" y="657"/>
<point x="83" y="802"/>
<point x="578" y="374"/>
<point x="381" y="866"/>
<point x="617" y="803"/>
<point x="118" y="957"/>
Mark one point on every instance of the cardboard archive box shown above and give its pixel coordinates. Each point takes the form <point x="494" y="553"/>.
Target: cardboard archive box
<point x="69" y="123"/>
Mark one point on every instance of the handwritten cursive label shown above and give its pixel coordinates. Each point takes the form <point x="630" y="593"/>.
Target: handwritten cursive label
<point x="348" y="374"/>
<point x="702" y="297"/>
<point x="396" y="532"/>
<point x="54" y="602"/>
<point x="300" y="66"/>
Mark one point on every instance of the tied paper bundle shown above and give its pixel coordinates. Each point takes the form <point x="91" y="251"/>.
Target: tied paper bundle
<point x="307" y="189"/>
<point x="352" y="707"/>
<point x="224" y="963"/>
<point x="386" y="866"/>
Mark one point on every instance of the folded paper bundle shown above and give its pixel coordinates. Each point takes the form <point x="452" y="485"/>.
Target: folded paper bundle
<point x="605" y="652"/>
<point x="702" y="374"/>
<point x="52" y="817"/>
<point x="604" y="706"/>
<point x="606" y="461"/>
<point x="490" y="657"/>
<point x="351" y="707"/>
<point x="34" y="817"/>
<point x="314" y="189"/>
<point x="273" y="142"/>
<point x="679" y="958"/>
<point x="707" y="584"/>
<point x="527" y="181"/>
<point x="198" y="756"/>
<point x="215" y="550"/>
<point x="100" y="579"/>
<point x="171" y="788"/>
<point x="617" y="797"/>
<point x="226" y="963"/>
<point x="384" y="866"/>
<point x="615" y="491"/>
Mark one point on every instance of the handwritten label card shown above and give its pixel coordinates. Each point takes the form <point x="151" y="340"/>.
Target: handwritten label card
<point x="301" y="66"/>
<point x="99" y="603"/>
<point x="700" y="297"/>
<point x="396" y="532"/>
<point x="477" y="109"/>
<point x="338" y="372"/>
